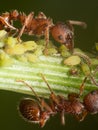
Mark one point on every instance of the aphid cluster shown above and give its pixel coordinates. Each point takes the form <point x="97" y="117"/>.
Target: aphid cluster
<point x="39" y="111"/>
<point x="40" y="26"/>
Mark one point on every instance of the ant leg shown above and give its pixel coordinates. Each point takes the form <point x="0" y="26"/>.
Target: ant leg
<point x="82" y="86"/>
<point x="53" y="97"/>
<point x="74" y="96"/>
<point x="62" y="117"/>
<point x="92" y="77"/>
<point x="7" y="24"/>
<point x="96" y="70"/>
<point x="46" y="106"/>
<point x="46" y="39"/>
<point x="93" y="80"/>
<point x="41" y="15"/>
<point x="27" y="21"/>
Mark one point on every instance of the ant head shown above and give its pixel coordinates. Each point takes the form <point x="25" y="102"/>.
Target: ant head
<point x="91" y="102"/>
<point x="44" y="117"/>
<point x="63" y="34"/>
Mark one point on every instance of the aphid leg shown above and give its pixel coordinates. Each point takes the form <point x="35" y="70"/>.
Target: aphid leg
<point x="82" y="86"/>
<point x="41" y="15"/>
<point x="27" y="21"/>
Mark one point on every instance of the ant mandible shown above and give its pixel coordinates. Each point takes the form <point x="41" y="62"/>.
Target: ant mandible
<point x="38" y="111"/>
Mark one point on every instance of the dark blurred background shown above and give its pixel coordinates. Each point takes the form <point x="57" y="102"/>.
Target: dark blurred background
<point x="59" y="10"/>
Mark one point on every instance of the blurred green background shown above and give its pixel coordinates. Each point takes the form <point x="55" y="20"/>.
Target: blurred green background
<point x="59" y="10"/>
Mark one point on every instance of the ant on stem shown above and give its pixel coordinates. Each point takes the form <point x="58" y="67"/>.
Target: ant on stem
<point x="41" y="26"/>
<point x="39" y="111"/>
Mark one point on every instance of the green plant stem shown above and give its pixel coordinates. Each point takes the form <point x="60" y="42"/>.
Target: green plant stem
<point x="55" y="73"/>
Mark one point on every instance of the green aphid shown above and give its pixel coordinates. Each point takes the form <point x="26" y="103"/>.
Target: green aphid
<point x="1" y="44"/>
<point x="31" y="57"/>
<point x="13" y="47"/>
<point x="21" y="58"/>
<point x="94" y="61"/>
<point x="5" y="60"/>
<point x="39" y="50"/>
<point x="52" y="51"/>
<point x="11" y="41"/>
<point x="72" y="60"/>
<point x="85" y="69"/>
<point x="3" y="34"/>
<point x="17" y="49"/>
<point x="41" y="42"/>
<point x="29" y="45"/>
<point x="64" y="51"/>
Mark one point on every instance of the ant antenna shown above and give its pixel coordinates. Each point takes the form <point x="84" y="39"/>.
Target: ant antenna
<point x="92" y="77"/>
<point x="93" y="80"/>
<point x="30" y="88"/>
<point x="43" y="77"/>
<point x="79" y="23"/>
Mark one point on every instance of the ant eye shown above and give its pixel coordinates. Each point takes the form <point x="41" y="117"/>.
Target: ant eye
<point x="60" y="37"/>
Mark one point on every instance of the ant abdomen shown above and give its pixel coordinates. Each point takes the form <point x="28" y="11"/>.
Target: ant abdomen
<point x="29" y="110"/>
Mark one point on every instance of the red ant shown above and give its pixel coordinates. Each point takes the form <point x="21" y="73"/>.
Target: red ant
<point x="41" y="26"/>
<point x="39" y="111"/>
